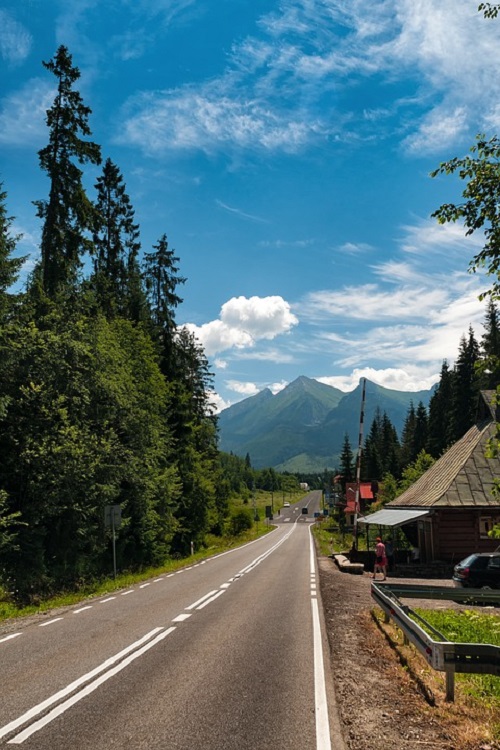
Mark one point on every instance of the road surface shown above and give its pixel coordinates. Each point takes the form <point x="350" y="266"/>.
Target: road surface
<point x="226" y="654"/>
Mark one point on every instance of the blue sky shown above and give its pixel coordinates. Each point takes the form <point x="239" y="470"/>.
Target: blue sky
<point x="284" y="147"/>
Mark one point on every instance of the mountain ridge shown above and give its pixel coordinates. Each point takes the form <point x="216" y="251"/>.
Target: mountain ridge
<point x="302" y="427"/>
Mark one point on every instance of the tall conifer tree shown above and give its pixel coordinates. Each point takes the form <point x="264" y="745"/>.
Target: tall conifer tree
<point x="346" y="459"/>
<point x="440" y="433"/>
<point x="465" y="386"/>
<point x="421" y="430"/>
<point x="161" y="275"/>
<point x="116" y="277"/>
<point x="408" y="437"/>
<point x="68" y="214"/>
<point x="490" y="346"/>
<point x="9" y="266"/>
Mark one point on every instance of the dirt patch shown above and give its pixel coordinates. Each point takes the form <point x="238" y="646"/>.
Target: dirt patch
<point x="384" y="689"/>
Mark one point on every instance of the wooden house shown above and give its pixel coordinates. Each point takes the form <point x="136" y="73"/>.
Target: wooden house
<point x="453" y="505"/>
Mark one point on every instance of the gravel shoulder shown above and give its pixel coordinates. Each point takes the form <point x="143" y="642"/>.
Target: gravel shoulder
<point x="381" y="687"/>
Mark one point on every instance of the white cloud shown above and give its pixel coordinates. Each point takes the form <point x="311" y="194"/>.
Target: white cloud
<point x="245" y="389"/>
<point x="267" y="97"/>
<point x="428" y="236"/>
<point x="22" y="114"/>
<point x="209" y="119"/>
<point x="243" y="321"/>
<point x="355" y="248"/>
<point x="438" y="129"/>
<point x="369" y="302"/>
<point x="15" y="40"/>
<point x="217" y="401"/>
<point x="220" y="364"/>
<point x="241" y="213"/>
<point x="392" y="378"/>
<point x="266" y="354"/>
<point x="277" y="387"/>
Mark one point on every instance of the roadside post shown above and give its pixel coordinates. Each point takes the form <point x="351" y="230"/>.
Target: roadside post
<point x="113" y="521"/>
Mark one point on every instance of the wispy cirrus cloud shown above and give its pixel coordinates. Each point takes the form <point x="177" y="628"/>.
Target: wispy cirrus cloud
<point x="22" y="114"/>
<point x="241" y="214"/>
<point x="15" y="39"/>
<point x="267" y="96"/>
<point x="209" y="118"/>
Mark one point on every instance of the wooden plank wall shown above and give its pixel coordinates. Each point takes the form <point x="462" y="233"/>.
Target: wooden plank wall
<point x="456" y="534"/>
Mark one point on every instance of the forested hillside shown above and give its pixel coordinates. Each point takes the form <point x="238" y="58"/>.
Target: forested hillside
<point x="103" y="399"/>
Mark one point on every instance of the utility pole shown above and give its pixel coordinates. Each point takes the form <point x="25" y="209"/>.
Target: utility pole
<point x="358" y="463"/>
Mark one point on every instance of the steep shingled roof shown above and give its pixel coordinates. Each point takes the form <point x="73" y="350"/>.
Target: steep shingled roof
<point x="463" y="476"/>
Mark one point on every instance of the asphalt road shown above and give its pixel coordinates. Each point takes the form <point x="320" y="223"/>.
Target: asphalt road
<point x="226" y="654"/>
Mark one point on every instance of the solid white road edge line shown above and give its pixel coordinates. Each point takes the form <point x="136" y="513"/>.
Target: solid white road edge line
<point x="322" y="723"/>
<point x="323" y="741"/>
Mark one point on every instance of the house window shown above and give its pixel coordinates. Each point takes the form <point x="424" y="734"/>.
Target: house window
<point x="486" y="524"/>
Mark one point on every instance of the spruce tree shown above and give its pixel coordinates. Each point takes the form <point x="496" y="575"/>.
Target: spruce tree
<point x="408" y="438"/>
<point x="193" y="426"/>
<point x="465" y="386"/>
<point x="9" y="266"/>
<point x="490" y="347"/>
<point x="346" y="459"/>
<point x="421" y="430"/>
<point x="439" y="432"/>
<point x="116" y="276"/>
<point x="371" y="464"/>
<point x="161" y="276"/>
<point x="68" y="215"/>
<point x="390" y="449"/>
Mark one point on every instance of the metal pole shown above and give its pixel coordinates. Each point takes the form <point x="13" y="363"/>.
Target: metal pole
<point x="114" y="541"/>
<point x="358" y="463"/>
<point x="450" y="682"/>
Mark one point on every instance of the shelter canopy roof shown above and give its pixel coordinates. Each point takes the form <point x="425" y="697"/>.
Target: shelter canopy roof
<point x="392" y="517"/>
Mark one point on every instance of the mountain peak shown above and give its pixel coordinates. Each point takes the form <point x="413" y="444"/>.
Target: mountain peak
<point x="306" y="422"/>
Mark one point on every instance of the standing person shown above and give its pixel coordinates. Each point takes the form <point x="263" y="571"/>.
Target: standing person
<point x="380" y="559"/>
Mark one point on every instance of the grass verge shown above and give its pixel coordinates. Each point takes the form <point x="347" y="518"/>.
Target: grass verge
<point x="213" y="546"/>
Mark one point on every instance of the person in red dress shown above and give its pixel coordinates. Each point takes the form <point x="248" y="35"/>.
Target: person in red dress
<point x="380" y="559"/>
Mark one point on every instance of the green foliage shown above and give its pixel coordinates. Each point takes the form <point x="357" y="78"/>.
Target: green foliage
<point x="9" y="266"/>
<point x="480" y="209"/>
<point x="469" y="626"/>
<point x="381" y="454"/>
<point x="389" y="490"/>
<point x="414" y="471"/>
<point x="241" y="521"/>
<point x="84" y="427"/>
<point x="103" y="399"/>
<point x="346" y="462"/>
<point x="68" y="214"/>
<point x="116" y="277"/>
<point x="489" y="10"/>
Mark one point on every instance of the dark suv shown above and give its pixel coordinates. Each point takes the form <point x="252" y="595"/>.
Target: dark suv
<point x="478" y="571"/>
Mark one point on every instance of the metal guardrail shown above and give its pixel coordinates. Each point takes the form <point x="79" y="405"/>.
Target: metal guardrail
<point x="443" y="655"/>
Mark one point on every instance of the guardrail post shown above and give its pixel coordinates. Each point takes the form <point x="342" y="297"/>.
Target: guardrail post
<point x="450" y="682"/>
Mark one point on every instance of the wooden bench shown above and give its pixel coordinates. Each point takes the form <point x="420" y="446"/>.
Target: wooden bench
<point x="346" y="566"/>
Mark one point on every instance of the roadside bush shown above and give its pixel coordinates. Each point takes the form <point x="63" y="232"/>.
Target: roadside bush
<point x="241" y="521"/>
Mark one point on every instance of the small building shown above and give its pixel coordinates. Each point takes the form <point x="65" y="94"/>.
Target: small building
<point x="367" y="495"/>
<point x="453" y="506"/>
